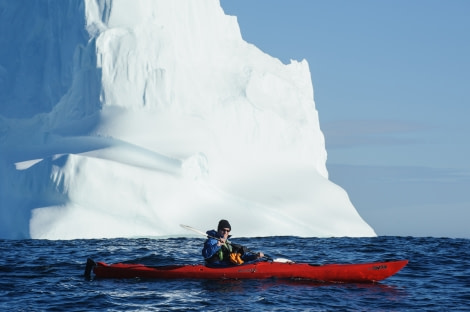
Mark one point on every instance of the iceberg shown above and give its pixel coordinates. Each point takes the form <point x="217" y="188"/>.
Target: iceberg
<point x="128" y="118"/>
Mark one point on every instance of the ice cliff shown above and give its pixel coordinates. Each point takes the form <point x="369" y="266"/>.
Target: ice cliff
<point x="123" y="118"/>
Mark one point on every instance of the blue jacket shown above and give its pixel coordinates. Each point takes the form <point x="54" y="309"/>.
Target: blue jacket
<point x="210" y="245"/>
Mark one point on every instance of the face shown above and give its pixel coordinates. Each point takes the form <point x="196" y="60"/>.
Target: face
<point x="224" y="232"/>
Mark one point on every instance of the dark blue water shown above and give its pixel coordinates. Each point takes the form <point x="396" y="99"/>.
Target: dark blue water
<point x="41" y="275"/>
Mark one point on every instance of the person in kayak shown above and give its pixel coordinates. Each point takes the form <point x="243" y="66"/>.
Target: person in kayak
<point x="219" y="251"/>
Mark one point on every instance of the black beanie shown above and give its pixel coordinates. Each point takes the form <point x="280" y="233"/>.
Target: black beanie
<point x="223" y="224"/>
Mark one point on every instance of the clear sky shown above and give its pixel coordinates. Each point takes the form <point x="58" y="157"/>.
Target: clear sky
<point x="392" y="87"/>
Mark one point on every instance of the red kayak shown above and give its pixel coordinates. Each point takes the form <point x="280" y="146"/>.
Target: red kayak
<point x="343" y="273"/>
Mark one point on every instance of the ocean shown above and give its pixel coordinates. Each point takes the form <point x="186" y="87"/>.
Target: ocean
<point x="46" y="275"/>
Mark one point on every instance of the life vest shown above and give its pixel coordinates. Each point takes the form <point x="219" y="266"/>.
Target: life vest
<point x="224" y="252"/>
<point x="227" y="254"/>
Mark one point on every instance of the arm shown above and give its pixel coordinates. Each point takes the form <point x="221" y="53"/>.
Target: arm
<point x="211" y="246"/>
<point x="253" y="256"/>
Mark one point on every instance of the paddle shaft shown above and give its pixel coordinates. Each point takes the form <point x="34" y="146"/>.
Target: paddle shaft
<point x="217" y="238"/>
<point x="196" y="231"/>
<point x="202" y="233"/>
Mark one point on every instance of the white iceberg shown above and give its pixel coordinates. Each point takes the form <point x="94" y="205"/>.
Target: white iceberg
<point x="133" y="117"/>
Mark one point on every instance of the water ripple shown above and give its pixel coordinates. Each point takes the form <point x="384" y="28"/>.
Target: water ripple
<point x="40" y="275"/>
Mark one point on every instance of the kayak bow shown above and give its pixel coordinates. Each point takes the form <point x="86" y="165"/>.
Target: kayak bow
<point x="343" y="273"/>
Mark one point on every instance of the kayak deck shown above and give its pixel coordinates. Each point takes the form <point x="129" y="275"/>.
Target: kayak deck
<point x="345" y="273"/>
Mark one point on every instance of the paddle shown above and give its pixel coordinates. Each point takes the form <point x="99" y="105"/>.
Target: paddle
<point x="187" y="227"/>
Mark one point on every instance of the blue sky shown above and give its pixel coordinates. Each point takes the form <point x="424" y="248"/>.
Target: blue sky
<point x="392" y="87"/>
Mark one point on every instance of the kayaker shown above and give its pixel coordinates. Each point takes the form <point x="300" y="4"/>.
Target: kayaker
<point x="219" y="251"/>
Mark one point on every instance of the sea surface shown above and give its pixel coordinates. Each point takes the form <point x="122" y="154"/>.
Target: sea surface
<point x="44" y="275"/>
